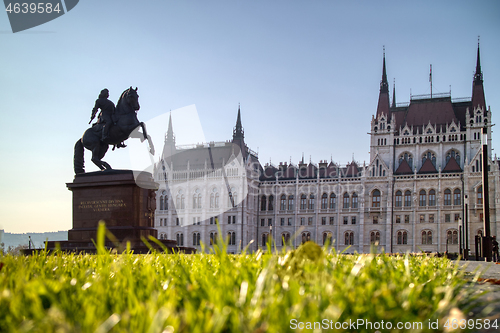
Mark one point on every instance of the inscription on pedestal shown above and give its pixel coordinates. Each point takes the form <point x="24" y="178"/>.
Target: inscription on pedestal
<point x="102" y="205"/>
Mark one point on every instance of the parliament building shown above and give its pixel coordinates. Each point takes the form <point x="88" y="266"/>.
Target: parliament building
<point x="424" y="180"/>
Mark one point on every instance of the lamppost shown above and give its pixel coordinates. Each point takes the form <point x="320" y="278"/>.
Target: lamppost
<point x="466" y="227"/>
<point x="460" y="238"/>
<point x="487" y="246"/>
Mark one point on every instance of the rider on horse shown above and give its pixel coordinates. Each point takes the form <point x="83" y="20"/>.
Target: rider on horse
<point x="107" y="109"/>
<point x="106" y="116"/>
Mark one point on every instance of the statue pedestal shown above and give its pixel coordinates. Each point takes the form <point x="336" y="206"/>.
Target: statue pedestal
<point x="126" y="203"/>
<point x="114" y="197"/>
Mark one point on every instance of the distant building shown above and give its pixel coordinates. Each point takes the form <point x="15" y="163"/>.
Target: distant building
<point x="425" y="165"/>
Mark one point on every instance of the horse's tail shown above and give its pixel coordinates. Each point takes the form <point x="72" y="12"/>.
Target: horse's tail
<point x="78" y="158"/>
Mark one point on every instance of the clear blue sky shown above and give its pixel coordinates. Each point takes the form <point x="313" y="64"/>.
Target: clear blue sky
<point x="306" y="74"/>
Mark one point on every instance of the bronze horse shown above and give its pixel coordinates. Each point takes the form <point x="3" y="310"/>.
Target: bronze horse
<point x="125" y="122"/>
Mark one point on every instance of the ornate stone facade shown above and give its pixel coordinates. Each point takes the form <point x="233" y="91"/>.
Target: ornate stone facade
<point x="424" y="175"/>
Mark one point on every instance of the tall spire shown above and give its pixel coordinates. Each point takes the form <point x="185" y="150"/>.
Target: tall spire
<point x="478" y="76"/>
<point x="383" y="98"/>
<point x="169" y="137"/>
<point x="478" y="99"/>
<point x="169" y="145"/>
<point x="238" y="132"/>
<point x="394" y="94"/>
<point x="384" y="85"/>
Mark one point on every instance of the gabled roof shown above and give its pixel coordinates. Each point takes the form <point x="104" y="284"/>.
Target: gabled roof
<point x="308" y="171"/>
<point x="269" y="173"/>
<point x="331" y="171"/>
<point x="352" y="170"/>
<point x="452" y="166"/>
<point x="403" y="169"/>
<point x="427" y="167"/>
<point x="290" y="172"/>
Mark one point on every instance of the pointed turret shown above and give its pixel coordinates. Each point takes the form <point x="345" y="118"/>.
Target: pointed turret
<point x="478" y="99"/>
<point x="238" y="132"/>
<point x="394" y="94"/>
<point x="238" y="135"/>
<point x="383" y="98"/>
<point x="169" y="137"/>
<point x="169" y="145"/>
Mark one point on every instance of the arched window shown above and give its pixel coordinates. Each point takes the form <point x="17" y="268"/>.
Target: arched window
<point x="457" y="197"/>
<point x="453" y="154"/>
<point x="432" y="198"/>
<point x="349" y="238"/>
<point x="311" y="201"/>
<point x="196" y="196"/>
<point x="214" y="198"/>
<point x="283" y="202"/>
<point x="327" y="238"/>
<point x="447" y="197"/>
<point x="306" y="236"/>
<point x="303" y="202"/>
<point x="354" y="200"/>
<point x="346" y="200"/>
<point x="374" y="237"/>
<point x="406" y="157"/>
<point x="324" y="201"/>
<point x="290" y="202"/>
<point x="399" y="199"/>
<point x="213" y="238"/>
<point x="180" y="239"/>
<point x="263" y="203"/>
<point x="376" y="198"/>
<point x="163" y="236"/>
<point x="431" y="156"/>
<point x="270" y="205"/>
<point x="407" y="199"/>
<point x="196" y="239"/>
<point x="232" y="198"/>
<point x="402" y="237"/>
<point x="333" y="201"/>
<point x="164" y="200"/>
<point x="285" y="238"/>
<point x="427" y="237"/>
<point x="480" y="195"/>
<point x="452" y="237"/>
<point x="422" y="198"/>
<point x="231" y="236"/>
<point x="264" y="239"/>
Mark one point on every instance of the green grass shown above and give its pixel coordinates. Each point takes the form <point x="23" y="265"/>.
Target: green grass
<point x="220" y="292"/>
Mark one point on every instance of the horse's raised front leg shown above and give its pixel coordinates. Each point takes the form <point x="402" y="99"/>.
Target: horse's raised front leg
<point x="146" y="136"/>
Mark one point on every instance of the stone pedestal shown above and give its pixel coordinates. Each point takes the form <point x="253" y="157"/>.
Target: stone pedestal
<point x="124" y="201"/>
<point x="125" y="204"/>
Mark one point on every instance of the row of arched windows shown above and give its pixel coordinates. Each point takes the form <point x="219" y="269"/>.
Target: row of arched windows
<point x="306" y="202"/>
<point x="197" y="202"/>
<point x="401" y="237"/>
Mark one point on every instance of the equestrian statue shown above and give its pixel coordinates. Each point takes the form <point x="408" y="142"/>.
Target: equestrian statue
<point x="113" y="127"/>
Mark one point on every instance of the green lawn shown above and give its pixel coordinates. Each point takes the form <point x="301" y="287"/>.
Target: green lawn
<point x="220" y="292"/>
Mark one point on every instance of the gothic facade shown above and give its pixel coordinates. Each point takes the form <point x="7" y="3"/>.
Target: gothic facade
<point x="422" y="182"/>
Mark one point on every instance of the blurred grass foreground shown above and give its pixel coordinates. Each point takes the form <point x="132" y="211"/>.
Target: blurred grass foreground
<point x="220" y="292"/>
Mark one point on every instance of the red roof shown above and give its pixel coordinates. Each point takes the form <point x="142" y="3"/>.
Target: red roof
<point x="452" y="166"/>
<point x="291" y="172"/>
<point x="436" y="111"/>
<point x="478" y="96"/>
<point x="427" y="167"/>
<point x="404" y="169"/>
<point x="383" y="104"/>
<point x="352" y="170"/>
